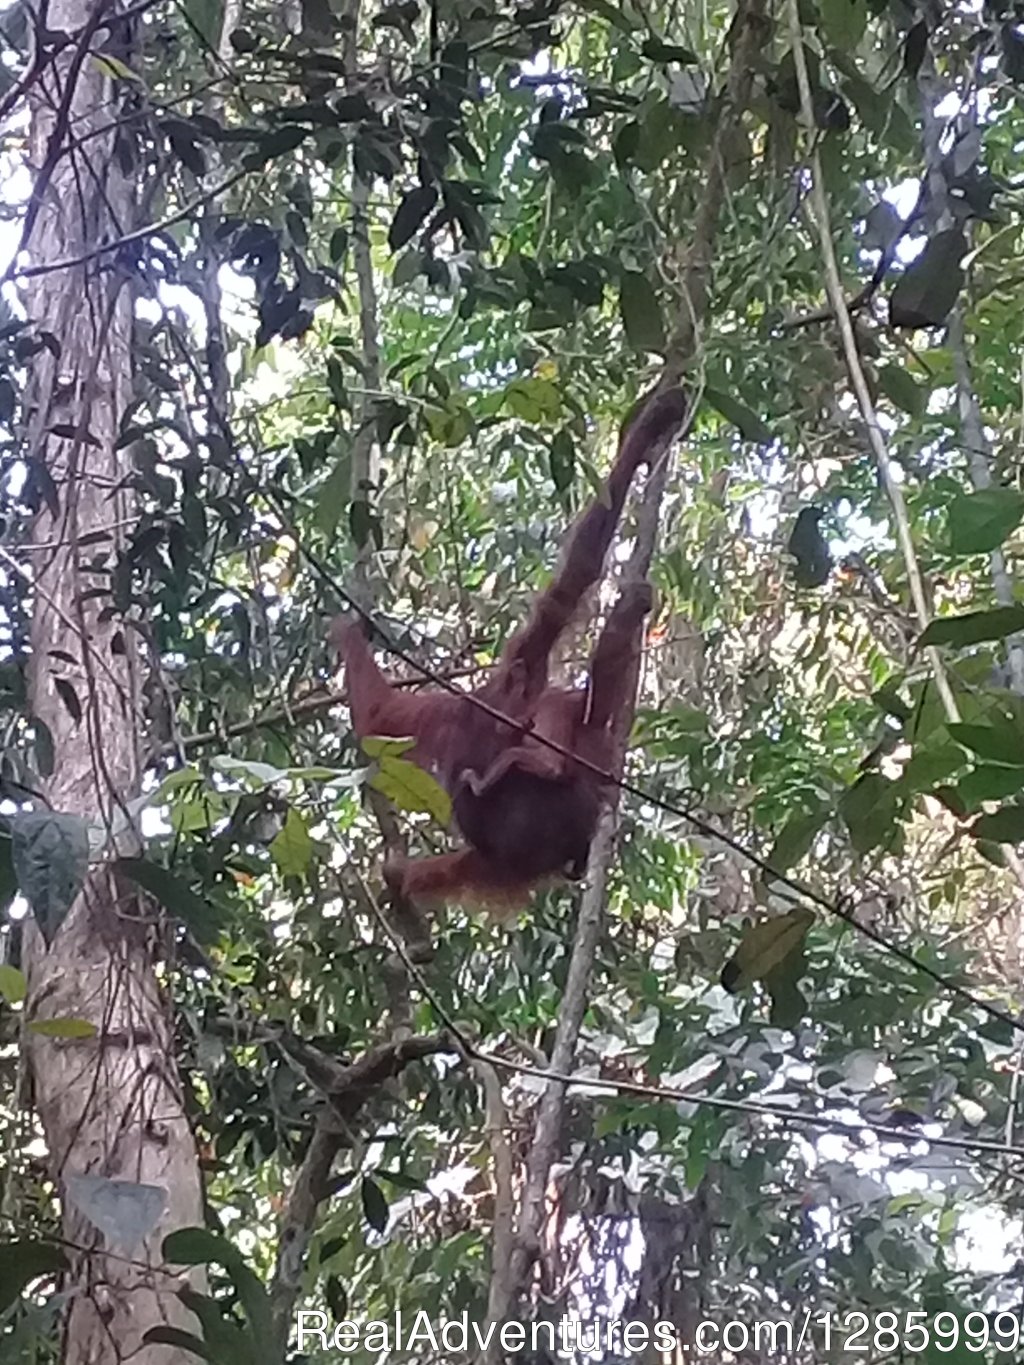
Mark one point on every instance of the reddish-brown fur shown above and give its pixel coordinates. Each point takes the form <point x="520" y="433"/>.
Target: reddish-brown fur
<point x="527" y="813"/>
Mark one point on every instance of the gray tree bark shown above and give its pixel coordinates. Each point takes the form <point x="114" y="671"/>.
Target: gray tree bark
<point x="110" y="1105"/>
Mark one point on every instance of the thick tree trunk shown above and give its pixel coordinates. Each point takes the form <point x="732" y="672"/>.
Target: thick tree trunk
<point x="110" y="1105"/>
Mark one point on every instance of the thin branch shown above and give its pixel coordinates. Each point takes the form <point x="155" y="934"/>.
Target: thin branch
<point x="130" y="238"/>
<point x="500" y="1292"/>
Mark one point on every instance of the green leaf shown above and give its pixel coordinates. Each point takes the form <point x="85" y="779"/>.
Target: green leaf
<point x="198" y="1246"/>
<point x="115" y="68"/>
<point x="292" y="848"/>
<point x="51" y="857"/>
<point x="751" y="428"/>
<point x="899" y="386"/>
<point x="227" y="1342"/>
<point x="24" y="1261"/>
<point x="844" y="22"/>
<point x="930" y="765"/>
<point x="203" y="918"/>
<point x="333" y="496"/>
<point x="973" y="627"/>
<point x="256" y="774"/>
<point x="869" y="809"/>
<point x="375" y="1205"/>
<point x="338" y="245"/>
<point x="384" y="746"/>
<point x="980" y="522"/>
<point x="412" y="789"/>
<point x="657" y="51"/>
<point x="988" y="782"/>
<point x="64" y="1028"/>
<point x="13" y="984"/>
<point x="765" y="946"/>
<point x="641" y="312"/>
<point x="534" y="400"/>
<point x="794" y="840"/>
<point x="998" y="743"/>
<point x="613" y="14"/>
<point x="1003" y="826"/>
<point x="408" y="267"/>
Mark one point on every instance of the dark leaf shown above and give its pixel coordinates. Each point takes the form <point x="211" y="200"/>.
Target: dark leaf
<point x="242" y="40"/>
<point x="338" y="245"/>
<point x="375" y="1205"/>
<point x="182" y="137"/>
<point x="997" y="743"/>
<point x="1004" y="826"/>
<point x="42" y="747"/>
<point x="869" y="809"/>
<point x="915" y="45"/>
<point x="750" y="426"/>
<point x="641" y="312"/>
<point x="51" y="856"/>
<point x="563" y="459"/>
<point x="1013" y="51"/>
<point x="808" y="547"/>
<point x="278" y="143"/>
<point x="929" y="287"/>
<point x="69" y="697"/>
<point x="973" y="627"/>
<point x="177" y="1337"/>
<point x="626" y="143"/>
<point x="989" y="782"/>
<point x="657" y="51"/>
<point x="882" y="226"/>
<point x="8" y="401"/>
<point x="410" y="214"/>
<point x="68" y="431"/>
<point x="336" y="1297"/>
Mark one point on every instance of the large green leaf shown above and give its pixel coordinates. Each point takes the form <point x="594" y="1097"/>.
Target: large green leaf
<point x="979" y="522"/>
<point x="641" y="312"/>
<point x="765" y="946"/>
<point x="1000" y="742"/>
<point x="973" y="627"/>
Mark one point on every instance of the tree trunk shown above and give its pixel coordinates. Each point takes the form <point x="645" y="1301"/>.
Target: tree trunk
<point x="110" y="1105"/>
